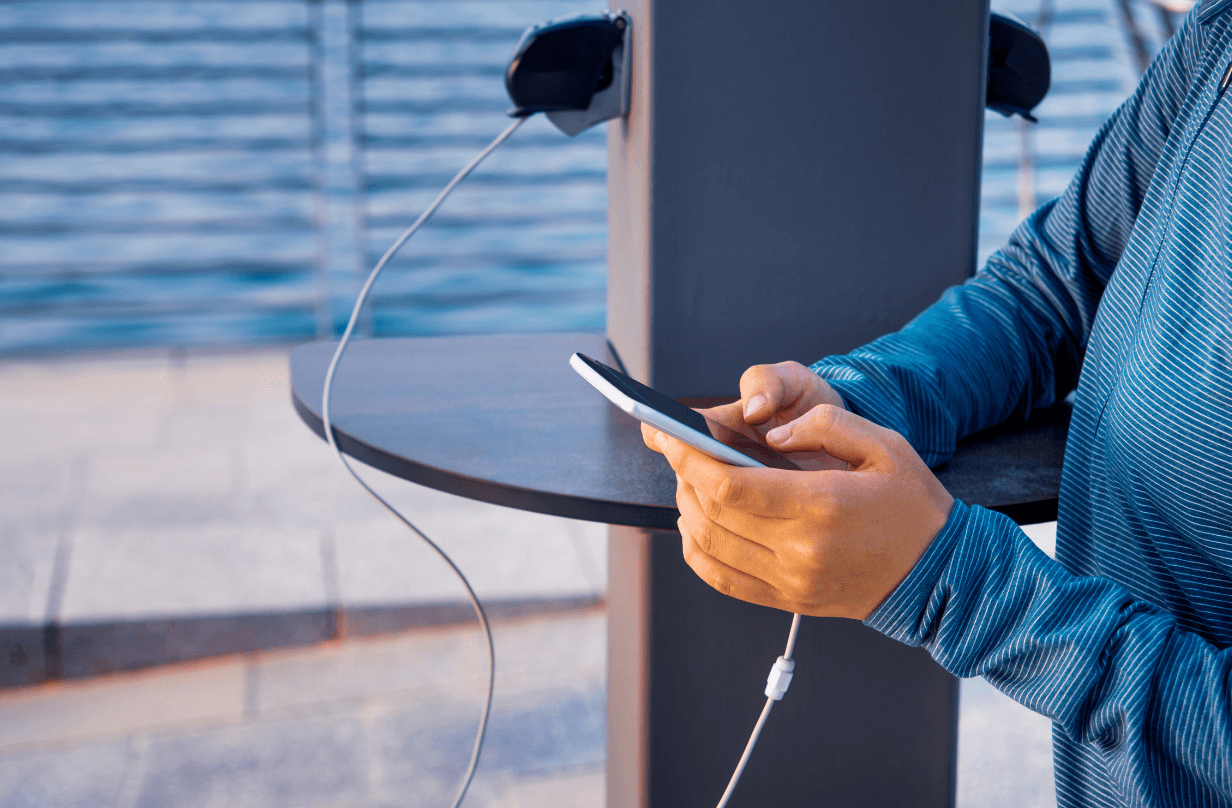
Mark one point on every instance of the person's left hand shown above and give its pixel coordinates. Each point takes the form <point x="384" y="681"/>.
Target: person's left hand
<point x="831" y="542"/>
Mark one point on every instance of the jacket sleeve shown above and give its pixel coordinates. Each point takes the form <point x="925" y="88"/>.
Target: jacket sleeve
<point x="1012" y="338"/>
<point x="1117" y="674"/>
<point x="1113" y="672"/>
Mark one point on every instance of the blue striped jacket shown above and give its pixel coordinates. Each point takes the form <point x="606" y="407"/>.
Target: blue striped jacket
<point x="1123" y="286"/>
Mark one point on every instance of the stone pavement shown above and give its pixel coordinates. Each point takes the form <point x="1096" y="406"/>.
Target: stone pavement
<point x="366" y="723"/>
<point x="388" y="721"/>
<point x="162" y="506"/>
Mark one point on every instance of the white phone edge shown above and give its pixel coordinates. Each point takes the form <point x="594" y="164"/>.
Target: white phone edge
<point x="648" y="415"/>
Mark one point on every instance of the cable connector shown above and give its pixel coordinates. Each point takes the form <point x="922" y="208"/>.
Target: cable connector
<point x="780" y="678"/>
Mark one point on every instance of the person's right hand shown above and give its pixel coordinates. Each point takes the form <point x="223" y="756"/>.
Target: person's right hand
<point x="773" y="395"/>
<point x="770" y="396"/>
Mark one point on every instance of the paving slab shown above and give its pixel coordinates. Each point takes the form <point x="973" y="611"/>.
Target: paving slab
<point x="207" y="470"/>
<point x="544" y="652"/>
<point x="425" y="753"/>
<point x="296" y="762"/>
<point x="40" y="493"/>
<point x="124" y="382"/>
<point x="23" y="660"/>
<point x="177" y="570"/>
<point x="25" y="575"/>
<point x="375" y="722"/>
<point x="80" y="650"/>
<point x="585" y="789"/>
<point x="506" y="555"/>
<point x="85" y="777"/>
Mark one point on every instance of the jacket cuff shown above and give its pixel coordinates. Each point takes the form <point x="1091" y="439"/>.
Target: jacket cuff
<point x="903" y="615"/>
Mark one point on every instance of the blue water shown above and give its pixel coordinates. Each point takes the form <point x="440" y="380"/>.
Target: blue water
<point x="193" y="173"/>
<point x="202" y="172"/>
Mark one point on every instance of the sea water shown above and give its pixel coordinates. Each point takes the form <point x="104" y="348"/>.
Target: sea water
<point x="213" y="172"/>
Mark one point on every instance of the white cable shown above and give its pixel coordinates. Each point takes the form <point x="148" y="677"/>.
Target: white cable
<point x="333" y="443"/>
<point x="791" y="636"/>
<point x="776" y="686"/>
<point x="780" y="675"/>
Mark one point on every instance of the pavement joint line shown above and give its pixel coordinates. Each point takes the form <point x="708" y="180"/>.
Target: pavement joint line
<point x="53" y="648"/>
<point x="252" y="686"/>
<point x="136" y="758"/>
<point x="333" y="582"/>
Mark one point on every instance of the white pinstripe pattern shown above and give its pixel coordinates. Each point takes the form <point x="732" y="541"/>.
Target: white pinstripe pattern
<point x="1124" y="286"/>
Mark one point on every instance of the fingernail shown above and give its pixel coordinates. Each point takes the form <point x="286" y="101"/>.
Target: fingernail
<point x="754" y="404"/>
<point x="661" y="440"/>
<point x="779" y="434"/>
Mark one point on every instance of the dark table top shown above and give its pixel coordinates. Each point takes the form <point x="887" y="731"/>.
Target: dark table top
<point x="504" y="419"/>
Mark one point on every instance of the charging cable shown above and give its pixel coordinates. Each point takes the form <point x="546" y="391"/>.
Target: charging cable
<point x="333" y="442"/>
<point x="780" y="675"/>
<point x="776" y="685"/>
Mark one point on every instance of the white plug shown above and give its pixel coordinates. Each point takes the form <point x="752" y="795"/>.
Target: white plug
<point x="780" y="678"/>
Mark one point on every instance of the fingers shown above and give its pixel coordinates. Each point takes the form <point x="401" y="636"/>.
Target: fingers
<point x="649" y="434"/>
<point x="728" y="580"/>
<point x="739" y="543"/>
<point x="769" y="389"/>
<point x="761" y="491"/>
<point x="764" y="390"/>
<point x="843" y="434"/>
<point x="727" y="529"/>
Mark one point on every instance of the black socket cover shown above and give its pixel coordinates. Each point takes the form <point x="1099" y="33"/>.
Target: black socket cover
<point x="1019" y="69"/>
<point x="560" y="66"/>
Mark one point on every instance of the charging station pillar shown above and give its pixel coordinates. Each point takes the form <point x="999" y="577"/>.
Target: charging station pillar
<point x="794" y="179"/>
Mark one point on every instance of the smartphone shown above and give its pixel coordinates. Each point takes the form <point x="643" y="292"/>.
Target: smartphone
<point x="652" y="407"/>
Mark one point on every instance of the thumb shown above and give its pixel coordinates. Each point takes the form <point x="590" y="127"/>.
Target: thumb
<point x="842" y="434"/>
<point x="761" y="393"/>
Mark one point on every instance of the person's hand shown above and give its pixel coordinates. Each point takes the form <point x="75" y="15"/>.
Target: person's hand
<point x="830" y="542"/>
<point x="771" y="396"/>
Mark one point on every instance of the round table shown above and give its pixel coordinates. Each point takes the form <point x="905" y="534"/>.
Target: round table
<point x="504" y="419"/>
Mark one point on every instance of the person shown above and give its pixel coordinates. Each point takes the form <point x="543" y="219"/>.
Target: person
<point x="1123" y="285"/>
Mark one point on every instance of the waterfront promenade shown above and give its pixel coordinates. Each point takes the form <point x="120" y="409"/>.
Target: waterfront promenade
<point x="157" y="506"/>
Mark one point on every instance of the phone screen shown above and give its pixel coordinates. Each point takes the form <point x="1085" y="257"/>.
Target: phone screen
<point x="691" y="418"/>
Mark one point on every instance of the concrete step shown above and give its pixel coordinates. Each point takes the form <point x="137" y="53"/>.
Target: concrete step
<point x="366" y="723"/>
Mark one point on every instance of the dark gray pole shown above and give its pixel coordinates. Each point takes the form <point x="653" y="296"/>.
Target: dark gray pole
<point x="794" y="179"/>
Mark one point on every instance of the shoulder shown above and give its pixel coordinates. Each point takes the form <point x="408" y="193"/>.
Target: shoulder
<point x="1204" y="36"/>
